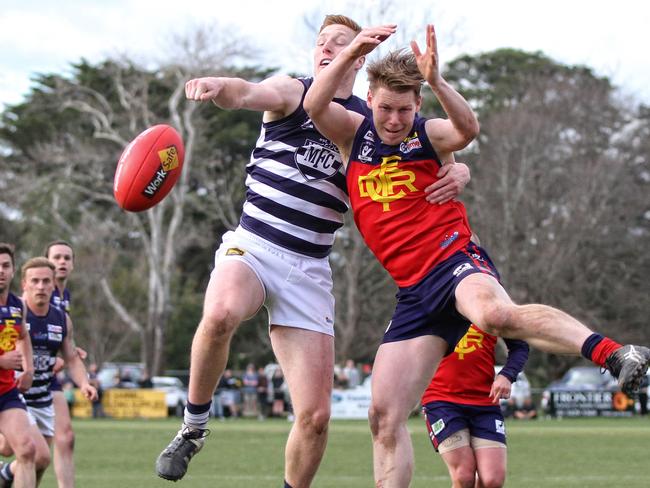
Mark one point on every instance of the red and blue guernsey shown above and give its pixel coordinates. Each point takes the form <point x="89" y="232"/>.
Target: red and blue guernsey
<point x="11" y="323"/>
<point x="466" y="375"/>
<point x="386" y="185"/>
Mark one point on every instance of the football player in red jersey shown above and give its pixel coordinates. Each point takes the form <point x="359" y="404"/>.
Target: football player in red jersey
<point x="15" y="353"/>
<point x="462" y="412"/>
<point x="445" y="280"/>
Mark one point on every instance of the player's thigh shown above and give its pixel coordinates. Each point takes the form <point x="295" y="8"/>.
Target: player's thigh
<point x="16" y="428"/>
<point x="307" y="361"/>
<point x="401" y="372"/>
<point x="234" y="290"/>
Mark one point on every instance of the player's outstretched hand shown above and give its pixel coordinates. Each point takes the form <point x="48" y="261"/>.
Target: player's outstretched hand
<point x="428" y="62"/>
<point x="369" y="38"/>
<point x="202" y="89"/>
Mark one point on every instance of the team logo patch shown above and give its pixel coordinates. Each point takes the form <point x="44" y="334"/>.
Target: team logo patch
<point x="462" y="268"/>
<point x="8" y="338"/>
<point x="234" y="251"/>
<point x="318" y="160"/>
<point x="387" y="183"/>
<point x="307" y="124"/>
<point x="369" y="136"/>
<point x="366" y="151"/>
<point x="54" y="337"/>
<point x="500" y="427"/>
<point x="15" y="312"/>
<point x="449" y="239"/>
<point x="410" y="143"/>
<point x="54" y="328"/>
<point x="438" y="427"/>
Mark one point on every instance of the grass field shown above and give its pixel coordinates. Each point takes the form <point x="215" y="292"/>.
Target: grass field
<point x="246" y="453"/>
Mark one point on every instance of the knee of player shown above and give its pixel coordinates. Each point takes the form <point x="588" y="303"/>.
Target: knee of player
<point x="42" y="458"/>
<point x="494" y="479"/>
<point x="219" y="322"/>
<point x="463" y="477"/>
<point x="25" y="451"/>
<point x="315" y="420"/>
<point x="499" y="317"/>
<point x="382" y="425"/>
<point x="64" y="438"/>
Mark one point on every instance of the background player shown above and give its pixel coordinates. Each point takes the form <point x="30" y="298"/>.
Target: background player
<point x="462" y="411"/>
<point x="51" y="331"/>
<point x="15" y="353"/>
<point x="62" y="255"/>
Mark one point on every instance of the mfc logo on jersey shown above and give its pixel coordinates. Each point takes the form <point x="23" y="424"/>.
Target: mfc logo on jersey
<point x="472" y="340"/>
<point x="387" y="183"/>
<point x="318" y="160"/>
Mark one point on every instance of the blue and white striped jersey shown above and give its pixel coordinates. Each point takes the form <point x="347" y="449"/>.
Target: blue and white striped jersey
<point x="296" y="191"/>
<point x="47" y="334"/>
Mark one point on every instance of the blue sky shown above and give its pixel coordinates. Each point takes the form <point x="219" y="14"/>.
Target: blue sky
<point x="40" y="36"/>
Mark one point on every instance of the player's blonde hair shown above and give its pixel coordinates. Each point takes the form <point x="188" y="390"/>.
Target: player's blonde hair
<point x="334" y="19"/>
<point x="397" y="71"/>
<point x="39" y="262"/>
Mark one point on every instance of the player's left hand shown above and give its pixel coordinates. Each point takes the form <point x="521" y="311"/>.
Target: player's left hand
<point x="81" y="353"/>
<point x="59" y="364"/>
<point x="500" y="389"/>
<point x="428" y="62"/>
<point x="89" y="391"/>
<point x="452" y="180"/>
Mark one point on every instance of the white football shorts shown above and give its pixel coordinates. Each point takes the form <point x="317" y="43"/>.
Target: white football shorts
<point x="43" y="418"/>
<point x="298" y="288"/>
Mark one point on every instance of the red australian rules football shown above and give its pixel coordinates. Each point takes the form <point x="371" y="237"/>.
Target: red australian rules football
<point x="148" y="168"/>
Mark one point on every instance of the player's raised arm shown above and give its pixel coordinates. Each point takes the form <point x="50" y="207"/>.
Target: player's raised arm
<point x="332" y="119"/>
<point x="462" y="126"/>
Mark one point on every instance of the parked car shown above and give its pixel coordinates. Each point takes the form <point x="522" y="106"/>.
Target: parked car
<point x="175" y="393"/>
<point x="586" y="391"/>
<point x="120" y="375"/>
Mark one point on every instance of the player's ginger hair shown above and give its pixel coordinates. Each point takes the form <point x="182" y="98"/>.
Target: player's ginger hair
<point x="334" y="19"/>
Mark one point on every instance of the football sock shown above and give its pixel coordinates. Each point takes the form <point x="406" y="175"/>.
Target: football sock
<point x="598" y="348"/>
<point x="287" y="485"/>
<point x="197" y="416"/>
<point x="6" y="473"/>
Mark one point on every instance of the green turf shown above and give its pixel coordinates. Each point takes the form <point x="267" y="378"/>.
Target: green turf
<point x="247" y="453"/>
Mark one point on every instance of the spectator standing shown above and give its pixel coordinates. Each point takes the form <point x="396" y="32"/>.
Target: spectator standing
<point x="93" y="379"/>
<point x="351" y="373"/>
<point x="249" y="390"/>
<point x="262" y="394"/>
<point x="277" y="381"/>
